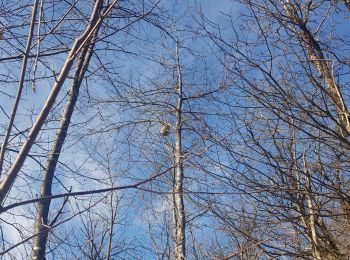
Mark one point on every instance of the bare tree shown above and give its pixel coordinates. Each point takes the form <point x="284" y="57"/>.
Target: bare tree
<point x="229" y="141"/>
<point x="42" y="225"/>
<point x="179" y="208"/>
<point x="12" y="173"/>
<point x="294" y="123"/>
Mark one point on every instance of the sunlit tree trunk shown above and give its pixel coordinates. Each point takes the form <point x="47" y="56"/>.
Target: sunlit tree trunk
<point x="20" y="87"/>
<point x="12" y="173"/>
<point x="42" y="225"/>
<point x="317" y="58"/>
<point x="179" y="212"/>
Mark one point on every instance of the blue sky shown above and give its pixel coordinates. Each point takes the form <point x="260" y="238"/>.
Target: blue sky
<point x="73" y="154"/>
<point x="136" y="151"/>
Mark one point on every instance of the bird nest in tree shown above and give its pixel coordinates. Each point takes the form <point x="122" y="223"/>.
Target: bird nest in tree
<point x="165" y="129"/>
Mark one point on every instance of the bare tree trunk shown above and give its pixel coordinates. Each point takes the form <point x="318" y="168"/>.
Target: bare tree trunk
<point x="12" y="173"/>
<point x="111" y="226"/>
<point x="20" y="85"/>
<point x="312" y="221"/>
<point x="179" y="212"/>
<point x="323" y="244"/>
<point x="316" y="57"/>
<point x="42" y="226"/>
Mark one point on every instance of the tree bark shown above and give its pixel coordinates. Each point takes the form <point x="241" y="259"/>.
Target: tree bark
<point x="179" y="212"/>
<point x="316" y="57"/>
<point x="12" y="173"/>
<point x="20" y="86"/>
<point x="42" y="225"/>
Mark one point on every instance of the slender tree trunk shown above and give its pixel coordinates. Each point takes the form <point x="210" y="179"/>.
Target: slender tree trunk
<point x="111" y="226"/>
<point x="312" y="220"/>
<point x="179" y="212"/>
<point x="42" y="226"/>
<point x="322" y="242"/>
<point x="308" y="216"/>
<point x="316" y="57"/>
<point x="20" y="86"/>
<point x="12" y="173"/>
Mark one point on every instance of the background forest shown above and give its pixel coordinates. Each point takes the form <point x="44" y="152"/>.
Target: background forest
<point x="167" y="129"/>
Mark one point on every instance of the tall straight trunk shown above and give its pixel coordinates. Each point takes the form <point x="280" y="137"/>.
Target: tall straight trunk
<point x="111" y="226"/>
<point x="312" y="220"/>
<point x="179" y="212"/>
<point x="322" y="242"/>
<point x="42" y="225"/>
